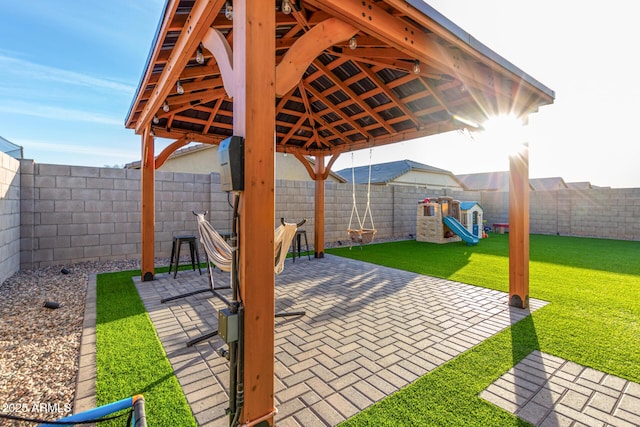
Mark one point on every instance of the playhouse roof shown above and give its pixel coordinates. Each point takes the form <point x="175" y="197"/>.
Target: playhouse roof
<point x="384" y="173"/>
<point x="465" y="206"/>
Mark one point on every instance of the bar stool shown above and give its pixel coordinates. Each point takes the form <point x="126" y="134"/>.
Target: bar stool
<point x="297" y="239"/>
<point x="175" y="252"/>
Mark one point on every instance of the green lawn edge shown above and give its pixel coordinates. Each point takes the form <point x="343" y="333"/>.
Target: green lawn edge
<point x="593" y="286"/>
<point x="130" y="359"/>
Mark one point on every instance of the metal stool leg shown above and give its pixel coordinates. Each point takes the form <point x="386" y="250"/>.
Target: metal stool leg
<point x="192" y="253"/>
<point x="178" y="244"/>
<point x="173" y="253"/>
<point x="307" y="245"/>
<point x="198" y="257"/>
<point x="293" y="248"/>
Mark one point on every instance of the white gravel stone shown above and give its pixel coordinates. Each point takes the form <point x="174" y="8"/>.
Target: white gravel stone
<point x="39" y="346"/>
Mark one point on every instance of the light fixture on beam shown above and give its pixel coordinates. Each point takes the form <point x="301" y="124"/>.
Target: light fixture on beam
<point x="179" y="88"/>
<point x="416" y="67"/>
<point x="467" y="122"/>
<point x="165" y="107"/>
<point x="156" y="120"/>
<point x="286" y="7"/>
<point x="228" y="11"/>
<point x="199" y="55"/>
<point x="353" y="43"/>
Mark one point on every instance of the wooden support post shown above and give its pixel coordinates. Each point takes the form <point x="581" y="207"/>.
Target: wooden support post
<point x="254" y="119"/>
<point x="148" y="215"/>
<point x="519" y="228"/>
<point x="318" y="226"/>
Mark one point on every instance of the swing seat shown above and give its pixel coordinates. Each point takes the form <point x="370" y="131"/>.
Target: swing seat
<point x="362" y="236"/>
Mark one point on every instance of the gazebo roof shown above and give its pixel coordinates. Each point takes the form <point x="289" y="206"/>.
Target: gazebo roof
<point x="409" y="72"/>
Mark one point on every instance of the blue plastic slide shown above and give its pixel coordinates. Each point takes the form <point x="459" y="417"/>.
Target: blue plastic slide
<point x="460" y="230"/>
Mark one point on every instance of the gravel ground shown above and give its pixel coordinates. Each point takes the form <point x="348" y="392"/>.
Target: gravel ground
<point x="39" y="346"/>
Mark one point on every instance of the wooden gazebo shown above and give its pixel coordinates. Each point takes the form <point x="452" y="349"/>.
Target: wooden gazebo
<point x="318" y="78"/>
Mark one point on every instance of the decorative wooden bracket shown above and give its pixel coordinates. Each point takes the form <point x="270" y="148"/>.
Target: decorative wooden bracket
<point x="306" y="164"/>
<point x="326" y="170"/>
<point x="169" y="150"/>
<point x="216" y="43"/>
<point x="295" y="61"/>
<point x="307" y="48"/>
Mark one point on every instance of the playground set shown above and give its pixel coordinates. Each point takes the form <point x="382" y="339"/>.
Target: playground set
<point x="445" y="220"/>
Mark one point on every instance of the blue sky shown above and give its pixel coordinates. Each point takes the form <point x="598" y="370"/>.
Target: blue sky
<point x="70" y="69"/>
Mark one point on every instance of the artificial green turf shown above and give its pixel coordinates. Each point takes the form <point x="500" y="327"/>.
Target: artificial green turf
<point x="130" y="359"/>
<point x="593" y="286"/>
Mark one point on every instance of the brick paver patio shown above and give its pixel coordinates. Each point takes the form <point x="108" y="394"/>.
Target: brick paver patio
<point x="368" y="331"/>
<point x="546" y="390"/>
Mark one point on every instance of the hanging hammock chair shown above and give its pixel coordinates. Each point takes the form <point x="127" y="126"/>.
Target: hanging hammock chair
<point x="219" y="252"/>
<point x="362" y="235"/>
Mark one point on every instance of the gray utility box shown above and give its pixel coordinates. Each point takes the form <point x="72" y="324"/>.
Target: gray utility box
<point x="228" y="325"/>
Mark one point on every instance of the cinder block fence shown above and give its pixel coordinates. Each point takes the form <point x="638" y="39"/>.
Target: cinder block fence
<point x="57" y="214"/>
<point x="9" y="216"/>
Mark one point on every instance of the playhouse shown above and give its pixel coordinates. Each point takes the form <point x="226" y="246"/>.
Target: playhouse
<point x="439" y="220"/>
<point x="471" y="217"/>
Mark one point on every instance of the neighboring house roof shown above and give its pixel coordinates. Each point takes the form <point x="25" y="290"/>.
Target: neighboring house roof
<point x="465" y="206"/>
<point x="10" y="148"/>
<point x="499" y="181"/>
<point x="384" y="173"/>
<point x="178" y="153"/>
<point x="585" y="185"/>
<point x="548" y="184"/>
<point x="486" y="181"/>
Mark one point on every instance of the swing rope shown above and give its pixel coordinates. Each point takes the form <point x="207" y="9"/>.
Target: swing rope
<point x="354" y="209"/>
<point x="368" y="209"/>
<point x="362" y="235"/>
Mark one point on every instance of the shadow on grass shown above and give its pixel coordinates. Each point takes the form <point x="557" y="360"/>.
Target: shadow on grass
<point x="449" y="395"/>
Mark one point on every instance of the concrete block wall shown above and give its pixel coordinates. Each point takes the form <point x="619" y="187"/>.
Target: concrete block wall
<point x="295" y="202"/>
<point x="405" y="202"/>
<point x="9" y="216"/>
<point x="71" y="213"/>
<point x="495" y="206"/>
<point x="177" y="196"/>
<point x="543" y="207"/>
<point x="601" y="213"/>
<point x="340" y="211"/>
<point x="339" y="206"/>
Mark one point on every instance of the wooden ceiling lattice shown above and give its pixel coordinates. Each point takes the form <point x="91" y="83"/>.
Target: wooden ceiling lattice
<point x="378" y="90"/>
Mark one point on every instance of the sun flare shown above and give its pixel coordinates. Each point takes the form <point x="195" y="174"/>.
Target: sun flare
<point x="504" y="134"/>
